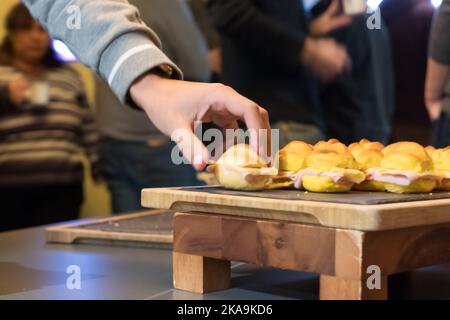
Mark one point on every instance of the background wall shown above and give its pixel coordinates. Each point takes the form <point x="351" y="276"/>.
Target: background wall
<point x="97" y="200"/>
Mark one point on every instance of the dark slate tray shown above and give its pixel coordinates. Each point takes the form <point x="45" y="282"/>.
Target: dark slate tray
<point x="353" y="197"/>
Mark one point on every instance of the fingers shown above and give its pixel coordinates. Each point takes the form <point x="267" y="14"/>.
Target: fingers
<point x="341" y="61"/>
<point x="258" y="128"/>
<point x="265" y="117"/>
<point x="334" y="61"/>
<point x="191" y="147"/>
<point x="256" y="118"/>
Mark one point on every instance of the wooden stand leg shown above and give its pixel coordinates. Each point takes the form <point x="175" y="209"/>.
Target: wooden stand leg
<point x="353" y="270"/>
<point x="200" y="274"/>
<point x="334" y="288"/>
<point x="346" y="259"/>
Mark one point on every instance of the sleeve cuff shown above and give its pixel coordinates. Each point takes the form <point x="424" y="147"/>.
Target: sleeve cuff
<point x="128" y="58"/>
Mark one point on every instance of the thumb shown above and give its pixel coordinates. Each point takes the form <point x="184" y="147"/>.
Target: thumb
<point x="191" y="147"/>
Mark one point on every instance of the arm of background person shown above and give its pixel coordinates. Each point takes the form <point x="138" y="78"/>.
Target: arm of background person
<point x="439" y="61"/>
<point x="243" y="21"/>
<point x="437" y="77"/>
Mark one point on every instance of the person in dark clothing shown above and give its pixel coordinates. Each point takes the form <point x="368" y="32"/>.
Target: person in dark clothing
<point x="269" y="57"/>
<point x="212" y="38"/>
<point x="360" y="103"/>
<point x="409" y="23"/>
<point x="437" y="87"/>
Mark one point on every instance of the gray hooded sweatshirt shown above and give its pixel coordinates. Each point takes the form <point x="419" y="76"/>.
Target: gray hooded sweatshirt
<point x="108" y="36"/>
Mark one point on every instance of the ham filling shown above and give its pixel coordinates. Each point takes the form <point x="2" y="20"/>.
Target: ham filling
<point x="399" y="177"/>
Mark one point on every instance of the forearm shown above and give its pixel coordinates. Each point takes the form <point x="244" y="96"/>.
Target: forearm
<point x="437" y="76"/>
<point x="440" y="40"/>
<point x="110" y="39"/>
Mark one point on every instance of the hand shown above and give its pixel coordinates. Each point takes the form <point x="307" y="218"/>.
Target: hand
<point x="215" y="60"/>
<point x="434" y="107"/>
<point x="174" y="105"/>
<point x="326" y="58"/>
<point x="330" y="20"/>
<point x="17" y="90"/>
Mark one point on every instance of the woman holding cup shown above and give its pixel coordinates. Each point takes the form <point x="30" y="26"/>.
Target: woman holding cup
<point x="45" y="129"/>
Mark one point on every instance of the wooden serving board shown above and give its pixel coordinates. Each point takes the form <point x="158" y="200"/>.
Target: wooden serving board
<point x="365" y="211"/>
<point x="144" y="229"/>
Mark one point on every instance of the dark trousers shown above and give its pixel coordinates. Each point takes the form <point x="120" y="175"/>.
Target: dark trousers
<point x="23" y="207"/>
<point x="130" y="167"/>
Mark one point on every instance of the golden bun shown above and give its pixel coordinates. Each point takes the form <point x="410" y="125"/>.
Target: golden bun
<point x="365" y="144"/>
<point x="293" y="156"/>
<point x="441" y="161"/>
<point x="418" y="186"/>
<point x="408" y="147"/>
<point x="242" y="155"/>
<point x="327" y="156"/>
<point x="431" y="151"/>
<point x="241" y="168"/>
<point x="407" y="161"/>
<point x="412" y="159"/>
<point x="324" y="184"/>
<point x="367" y="155"/>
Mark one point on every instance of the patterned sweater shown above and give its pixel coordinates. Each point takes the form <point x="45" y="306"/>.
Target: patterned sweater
<point x="45" y="145"/>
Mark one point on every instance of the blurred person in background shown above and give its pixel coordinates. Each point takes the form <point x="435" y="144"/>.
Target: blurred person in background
<point x="359" y="103"/>
<point x="46" y="129"/>
<point x="269" y="56"/>
<point x="212" y="37"/>
<point x="437" y="88"/>
<point x="409" y="24"/>
<point x="134" y="153"/>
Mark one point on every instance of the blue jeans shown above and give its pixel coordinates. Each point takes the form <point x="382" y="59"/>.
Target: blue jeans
<point x="129" y="167"/>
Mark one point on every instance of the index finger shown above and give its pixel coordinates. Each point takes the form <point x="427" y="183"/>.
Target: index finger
<point x="256" y="118"/>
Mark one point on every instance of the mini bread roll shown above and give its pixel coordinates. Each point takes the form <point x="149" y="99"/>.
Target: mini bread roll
<point x="406" y="168"/>
<point x="368" y="155"/>
<point x="365" y="144"/>
<point x="293" y="156"/>
<point x="408" y="147"/>
<point x="241" y="168"/>
<point x="330" y="168"/>
<point x="289" y="160"/>
<point x="441" y="161"/>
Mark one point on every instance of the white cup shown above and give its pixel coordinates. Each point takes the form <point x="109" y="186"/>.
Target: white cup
<point x="38" y="93"/>
<point x="354" y="7"/>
